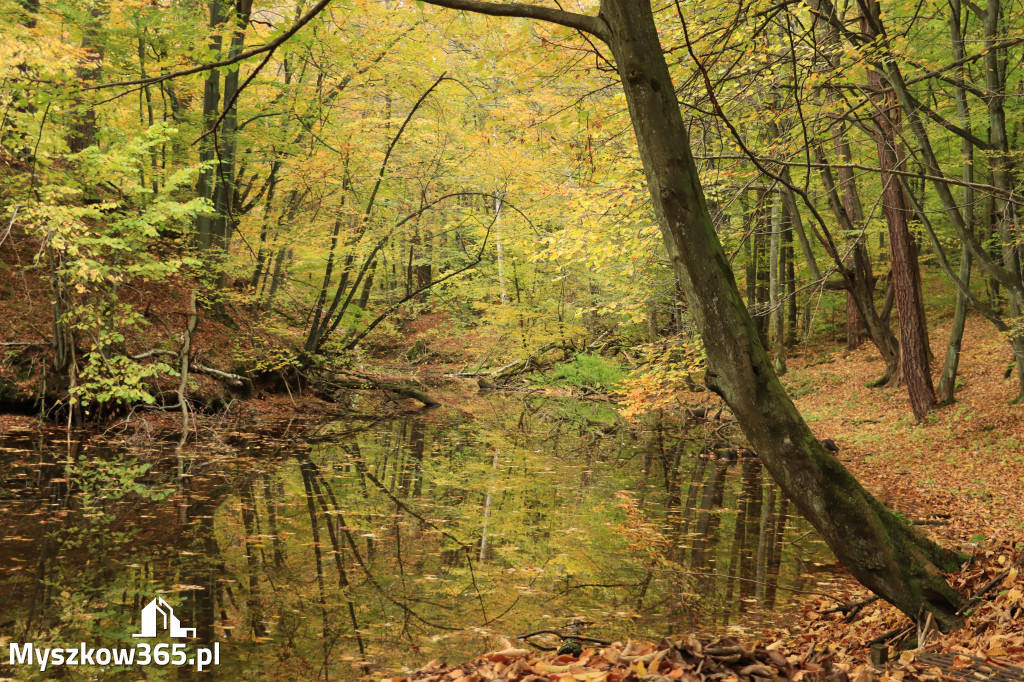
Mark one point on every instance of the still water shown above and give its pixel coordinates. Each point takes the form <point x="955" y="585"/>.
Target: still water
<point x="335" y="550"/>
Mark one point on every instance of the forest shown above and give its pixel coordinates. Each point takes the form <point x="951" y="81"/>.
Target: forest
<point x="480" y="340"/>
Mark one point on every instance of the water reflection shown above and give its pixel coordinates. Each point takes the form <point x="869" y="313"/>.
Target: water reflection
<point x="366" y="548"/>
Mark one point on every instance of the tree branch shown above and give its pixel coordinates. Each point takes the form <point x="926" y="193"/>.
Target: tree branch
<point x="595" y="26"/>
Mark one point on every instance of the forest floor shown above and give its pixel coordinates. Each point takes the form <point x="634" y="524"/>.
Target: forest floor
<point x="960" y="471"/>
<point x="965" y="460"/>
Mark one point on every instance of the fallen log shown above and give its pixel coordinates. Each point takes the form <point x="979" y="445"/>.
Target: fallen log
<point x="366" y="383"/>
<point x="516" y="367"/>
<point x="232" y="380"/>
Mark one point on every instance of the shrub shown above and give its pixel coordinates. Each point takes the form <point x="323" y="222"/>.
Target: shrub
<point x="588" y="371"/>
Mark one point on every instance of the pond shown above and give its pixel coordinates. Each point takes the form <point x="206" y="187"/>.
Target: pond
<point x="335" y="550"/>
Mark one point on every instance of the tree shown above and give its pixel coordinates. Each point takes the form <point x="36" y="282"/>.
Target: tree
<point x="881" y="550"/>
<point x="1006" y="270"/>
<point x="217" y="182"/>
<point x="947" y="380"/>
<point x="914" y="351"/>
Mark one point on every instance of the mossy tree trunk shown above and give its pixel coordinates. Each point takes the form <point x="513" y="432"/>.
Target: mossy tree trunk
<point x="880" y="549"/>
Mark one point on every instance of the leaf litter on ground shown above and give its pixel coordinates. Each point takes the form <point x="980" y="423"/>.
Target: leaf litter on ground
<point x="823" y="644"/>
<point x="681" y="660"/>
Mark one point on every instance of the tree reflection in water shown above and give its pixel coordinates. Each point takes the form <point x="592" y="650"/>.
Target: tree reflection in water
<point x="364" y="549"/>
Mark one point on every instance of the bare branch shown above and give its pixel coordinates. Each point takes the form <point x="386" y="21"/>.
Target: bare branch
<point x="595" y="26"/>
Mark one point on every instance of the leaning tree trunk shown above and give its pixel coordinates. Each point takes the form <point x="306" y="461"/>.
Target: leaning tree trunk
<point x="887" y="555"/>
<point x="882" y="551"/>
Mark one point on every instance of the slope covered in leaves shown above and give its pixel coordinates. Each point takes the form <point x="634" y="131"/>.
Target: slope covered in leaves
<point x="962" y="467"/>
<point x="993" y="633"/>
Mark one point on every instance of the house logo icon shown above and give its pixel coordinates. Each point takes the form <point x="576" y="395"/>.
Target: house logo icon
<point x="159" y="616"/>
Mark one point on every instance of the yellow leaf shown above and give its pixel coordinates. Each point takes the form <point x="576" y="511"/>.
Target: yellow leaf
<point x="555" y="668"/>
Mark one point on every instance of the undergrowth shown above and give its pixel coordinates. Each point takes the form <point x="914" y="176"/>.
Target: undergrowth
<point x="588" y="371"/>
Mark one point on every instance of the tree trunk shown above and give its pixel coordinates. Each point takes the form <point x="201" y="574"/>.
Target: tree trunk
<point x="856" y="328"/>
<point x="224" y="194"/>
<point x="791" y="302"/>
<point x="82" y="130"/>
<point x="207" y="152"/>
<point x="499" y="248"/>
<point x="263" y="247"/>
<point x="860" y="280"/>
<point x="757" y="274"/>
<point x="881" y="550"/>
<point x="275" y="278"/>
<point x="862" y="321"/>
<point x="914" y="351"/>
<point x="217" y="150"/>
<point x="776" y="271"/>
<point x="1002" y="175"/>
<point x="947" y="380"/>
<point x="1006" y="273"/>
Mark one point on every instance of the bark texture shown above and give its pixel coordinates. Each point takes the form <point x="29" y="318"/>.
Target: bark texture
<point x="914" y="352"/>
